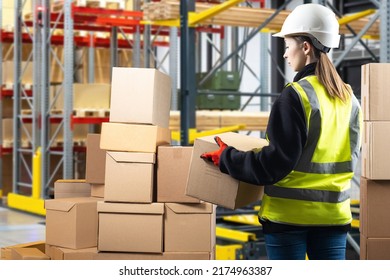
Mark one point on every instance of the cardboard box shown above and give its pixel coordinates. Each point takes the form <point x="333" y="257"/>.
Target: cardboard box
<point x="95" y="160"/>
<point x="173" y="164"/>
<point x="59" y="253"/>
<point x="376" y="162"/>
<point x="129" y="227"/>
<point x="26" y="72"/>
<point x="146" y="101"/>
<point x="154" y="256"/>
<point x="189" y="227"/>
<point x="374" y="91"/>
<point x="208" y="183"/>
<point x="133" y="137"/>
<point x="130" y="177"/>
<point x="374" y="208"/>
<point x="374" y="248"/>
<point x="72" y="222"/>
<point x="28" y="254"/>
<point x="90" y="96"/>
<point x="97" y="190"/>
<point x="6" y="252"/>
<point x="71" y="188"/>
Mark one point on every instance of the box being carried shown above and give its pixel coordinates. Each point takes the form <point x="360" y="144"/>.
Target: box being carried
<point x="208" y="183"/>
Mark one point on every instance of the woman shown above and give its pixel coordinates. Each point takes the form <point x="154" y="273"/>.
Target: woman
<point x="314" y="145"/>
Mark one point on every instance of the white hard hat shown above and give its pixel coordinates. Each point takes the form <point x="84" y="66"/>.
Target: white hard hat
<point x="312" y="20"/>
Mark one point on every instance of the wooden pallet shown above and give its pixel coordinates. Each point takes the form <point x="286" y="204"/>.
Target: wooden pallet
<point x="26" y="112"/>
<point x="109" y="4"/>
<point x="213" y="119"/>
<point x="241" y="16"/>
<point x="7" y="143"/>
<point x="102" y="113"/>
<point x="106" y="4"/>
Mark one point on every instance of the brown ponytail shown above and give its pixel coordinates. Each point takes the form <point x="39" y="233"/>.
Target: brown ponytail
<point x="327" y="74"/>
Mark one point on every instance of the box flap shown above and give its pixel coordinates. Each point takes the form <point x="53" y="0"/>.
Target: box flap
<point x="147" y="209"/>
<point x="239" y="141"/>
<point x="66" y="204"/>
<point x="59" y="205"/>
<point x="132" y="157"/>
<point x="70" y="181"/>
<point x="190" y="208"/>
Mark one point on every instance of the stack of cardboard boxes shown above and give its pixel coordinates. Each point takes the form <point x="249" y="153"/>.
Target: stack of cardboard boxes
<point x="375" y="179"/>
<point x="136" y="206"/>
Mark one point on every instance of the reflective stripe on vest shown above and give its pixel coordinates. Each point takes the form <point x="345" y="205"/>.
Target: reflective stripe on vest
<point x="309" y="195"/>
<point x="317" y="191"/>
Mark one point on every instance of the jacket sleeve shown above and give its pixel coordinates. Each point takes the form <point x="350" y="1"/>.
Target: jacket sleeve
<point x="286" y="132"/>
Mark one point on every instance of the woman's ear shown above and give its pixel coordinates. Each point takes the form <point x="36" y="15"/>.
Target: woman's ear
<point x="306" y="47"/>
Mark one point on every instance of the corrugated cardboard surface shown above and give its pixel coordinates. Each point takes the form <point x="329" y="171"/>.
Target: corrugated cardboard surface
<point x="189" y="227"/>
<point x="5" y="252"/>
<point x="146" y="101"/>
<point x="173" y="164"/>
<point x="90" y="96"/>
<point x="374" y="248"/>
<point x="59" y="253"/>
<point x="133" y="137"/>
<point x="374" y="208"/>
<point x="208" y="183"/>
<point x="376" y="162"/>
<point x="154" y="256"/>
<point x="72" y="222"/>
<point x="130" y="177"/>
<point x="95" y="160"/>
<point x="71" y="188"/>
<point x="375" y="91"/>
<point x="28" y="254"/>
<point x="97" y="190"/>
<point x="8" y="72"/>
<point x="129" y="227"/>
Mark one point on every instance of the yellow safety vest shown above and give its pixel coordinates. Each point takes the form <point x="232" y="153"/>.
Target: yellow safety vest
<point x="317" y="191"/>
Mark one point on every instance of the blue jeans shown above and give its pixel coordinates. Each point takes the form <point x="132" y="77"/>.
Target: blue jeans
<point x="317" y="244"/>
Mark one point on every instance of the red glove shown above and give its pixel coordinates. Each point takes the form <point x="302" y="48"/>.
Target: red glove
<point x="214" y="156"/>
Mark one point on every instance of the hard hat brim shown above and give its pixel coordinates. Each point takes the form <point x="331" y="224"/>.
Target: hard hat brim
<point x="279" y="34"/>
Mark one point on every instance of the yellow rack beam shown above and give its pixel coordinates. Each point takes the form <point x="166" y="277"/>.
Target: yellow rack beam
<point x="234" y="235"/>
<point x="355" y="223"/>
<point x="356" y="16"/>
<point x="243" y="219"/>
<point x="193" y="133"/>
<point x="227" y="252"/>
<point x="193" y="17"/>
<point x="26" y="203"/>
<point x="33" y="203"/>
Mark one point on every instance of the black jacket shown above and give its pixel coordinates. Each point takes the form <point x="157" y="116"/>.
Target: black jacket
<point x="287" y="136"/>
<point x="286" y="133"/>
